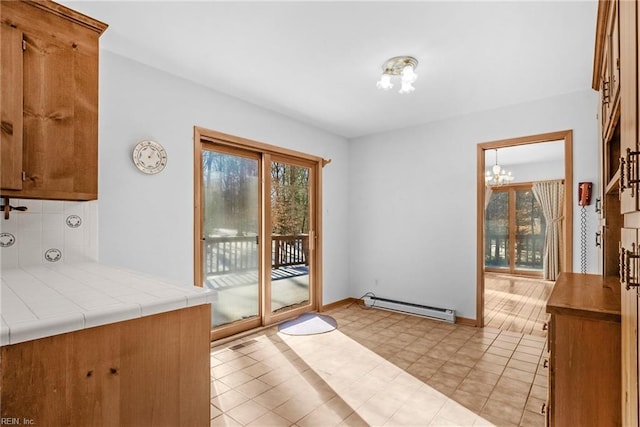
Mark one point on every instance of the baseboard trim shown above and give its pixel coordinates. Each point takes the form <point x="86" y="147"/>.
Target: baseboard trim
<point x="338" y="304"/>
<point x="465" y="321"/>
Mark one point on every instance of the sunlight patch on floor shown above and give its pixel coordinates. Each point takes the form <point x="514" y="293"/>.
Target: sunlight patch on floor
<point x="379" y="392"/>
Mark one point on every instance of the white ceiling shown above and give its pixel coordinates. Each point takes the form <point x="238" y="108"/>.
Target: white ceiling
<point x="318" y="61"/>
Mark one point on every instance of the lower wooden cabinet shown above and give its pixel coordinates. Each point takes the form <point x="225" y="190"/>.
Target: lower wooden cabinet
<point x="150" y="371"/>
<point x="584" y="351"/>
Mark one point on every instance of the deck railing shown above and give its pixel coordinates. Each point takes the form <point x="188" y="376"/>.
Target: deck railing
<point x="225" y="255"/>
<point x="529" y="251"/>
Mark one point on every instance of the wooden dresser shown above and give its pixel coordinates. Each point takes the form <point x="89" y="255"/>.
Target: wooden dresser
<point x="584" y="351"/>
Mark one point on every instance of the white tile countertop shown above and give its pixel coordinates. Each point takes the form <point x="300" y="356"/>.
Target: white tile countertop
<point x="41" y="301"/>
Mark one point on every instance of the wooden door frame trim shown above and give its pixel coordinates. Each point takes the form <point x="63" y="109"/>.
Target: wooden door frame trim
<point x="315" y="163"/>
<point x="567" y="258"/>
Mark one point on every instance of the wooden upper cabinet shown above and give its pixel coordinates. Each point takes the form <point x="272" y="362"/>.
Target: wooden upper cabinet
<point x="605" y="90"/>
<point x="630" y="177"/>
<point x="50" y="134"/>
<point x="613" y="42"/>
<point x="11" y="107"/>
<point x="606" y="68"/>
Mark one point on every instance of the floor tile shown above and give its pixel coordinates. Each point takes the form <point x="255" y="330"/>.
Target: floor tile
<point x="532" y="419"/>
<point x="456" y="413"/>
<point x="235" y="379"/>
<point x="483" y="376"/>
<point x="224" y="421"/>
<point x="518" y="374"/>
<point x="471" y="401"/>
<point x="270" y="419"/>
<point x="381" y="368"/>
<point x="295" y="409"/>
<point x="218" y="388"/>
<point x="253" y="388"/>
<point x="229" y="400"/>
<point x="476" y="388"/>
<point x="503" y="411"/>
<point x="247" y="412"/>
<point x="214" y="412"/>
<point x="272" y="399"/>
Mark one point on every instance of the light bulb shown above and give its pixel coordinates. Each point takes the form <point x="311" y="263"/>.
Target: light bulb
<point x="408" y="75"/>
<point x="406" y="87"/>
<point x="385" y="82"/>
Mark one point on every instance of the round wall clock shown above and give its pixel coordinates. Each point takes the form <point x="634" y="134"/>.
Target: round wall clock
<point x="149" y="156"/>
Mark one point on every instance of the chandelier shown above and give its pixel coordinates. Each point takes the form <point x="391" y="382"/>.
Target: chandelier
<point x="403" y="66"/>
<point x="497" y="175"/>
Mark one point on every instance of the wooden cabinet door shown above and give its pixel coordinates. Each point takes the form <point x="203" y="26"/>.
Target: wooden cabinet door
<point x="60" y="120"/>
<point x="629" y="314"/>
<point x="94" y="370"/>
<point x="629" y="194"/>
<point x="613" y="41"/>
<point x="605" y="90"/>
<point x="11" y="107"/>
<point x="625" y="298"/>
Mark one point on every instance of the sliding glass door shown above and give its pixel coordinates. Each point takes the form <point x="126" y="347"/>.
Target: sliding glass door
<point x="514" y="231"/>
<point x="496" y="234"/>
<point x="231" y="232"/>
<point x="256" y="222"/>
<point x="290" y="205"/>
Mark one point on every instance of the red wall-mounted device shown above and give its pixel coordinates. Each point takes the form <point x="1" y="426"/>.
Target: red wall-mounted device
<point x="584" y="193"/>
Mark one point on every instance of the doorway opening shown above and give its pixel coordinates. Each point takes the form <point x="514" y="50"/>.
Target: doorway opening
<point x="257" y="231"/>
<point x="517" y="252"/>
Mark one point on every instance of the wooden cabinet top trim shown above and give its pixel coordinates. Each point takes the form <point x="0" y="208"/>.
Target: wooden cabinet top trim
<point x="70" y="14"/>
<point x="601" y="35"/>
<point x="586" y="295"/>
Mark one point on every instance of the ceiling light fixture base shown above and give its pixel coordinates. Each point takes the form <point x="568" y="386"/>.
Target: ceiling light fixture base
<point x="395" y="65"/>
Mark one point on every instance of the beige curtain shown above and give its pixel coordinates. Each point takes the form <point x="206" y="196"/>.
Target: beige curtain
<point x="487" y="196"/>
<point x="550" y="195"/>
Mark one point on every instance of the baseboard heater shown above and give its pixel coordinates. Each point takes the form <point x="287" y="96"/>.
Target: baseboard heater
<point x="445" y="314"/>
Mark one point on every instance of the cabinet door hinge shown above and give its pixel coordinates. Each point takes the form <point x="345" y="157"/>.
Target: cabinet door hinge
<point x="24" y="176"/>
<point x="24" y="44"/>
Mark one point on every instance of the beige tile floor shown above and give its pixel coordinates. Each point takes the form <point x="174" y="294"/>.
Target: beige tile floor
<point x="516" y="303"/>
<point x="382" y="369"/>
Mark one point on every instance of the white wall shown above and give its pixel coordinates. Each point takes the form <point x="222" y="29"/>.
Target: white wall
<point x="146" y="222"/>
<point x="412" y="203"/>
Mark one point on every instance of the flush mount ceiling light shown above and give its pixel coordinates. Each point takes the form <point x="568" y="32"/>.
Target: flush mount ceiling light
<point x="403" y="66"/>
<point x="497" y="175"/>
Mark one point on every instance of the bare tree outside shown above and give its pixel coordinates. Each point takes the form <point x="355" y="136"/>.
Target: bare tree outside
<point x="289" y="199"/>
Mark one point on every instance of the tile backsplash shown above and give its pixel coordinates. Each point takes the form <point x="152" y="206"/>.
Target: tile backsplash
<point x="49" y="232"/>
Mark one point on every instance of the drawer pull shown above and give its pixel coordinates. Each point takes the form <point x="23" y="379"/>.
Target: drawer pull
<point x="605" y="92"/>
<point x="625" y="266"/>
<point x="629" y="172"/>
<point x="543" y="409"/>
<point x="621" y="184"/>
